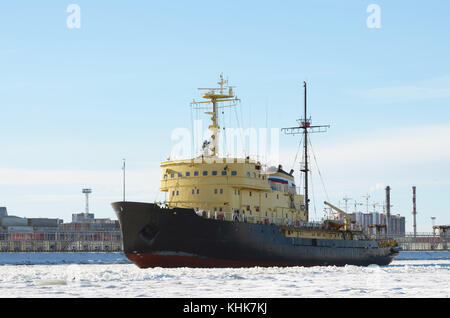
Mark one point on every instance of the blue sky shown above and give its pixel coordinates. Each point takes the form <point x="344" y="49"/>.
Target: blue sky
<point x="74" y="102"/>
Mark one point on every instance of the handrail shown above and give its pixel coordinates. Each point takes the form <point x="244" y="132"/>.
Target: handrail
<point x="232" y="216"/>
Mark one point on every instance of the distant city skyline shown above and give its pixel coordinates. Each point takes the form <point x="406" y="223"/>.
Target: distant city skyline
<point x="85" y="84"/>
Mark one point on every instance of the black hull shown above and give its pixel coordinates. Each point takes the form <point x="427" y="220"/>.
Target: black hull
<point x="157" y="237"/>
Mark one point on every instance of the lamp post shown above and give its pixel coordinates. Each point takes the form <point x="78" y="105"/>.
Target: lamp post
<point x="123" y="168"/>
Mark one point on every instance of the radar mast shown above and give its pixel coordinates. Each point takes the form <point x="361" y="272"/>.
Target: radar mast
<point x="215" y="96"/>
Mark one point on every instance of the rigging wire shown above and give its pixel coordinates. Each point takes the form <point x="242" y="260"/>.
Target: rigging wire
<point x="318" y="170"/>
<point x="302" y="185"/>
<point x="192" y="132"/>
<point x="298" y="150"/>
<point x="221" y="122"/>
<point x="158" y="193"/>
<point x="312" y="192"/>
<point x="267" y="129"/>
<point x="196" y="150"/>
<point x="241" y="132"/>
<point x="227" y="144"/>
<point x="240" y="128"/>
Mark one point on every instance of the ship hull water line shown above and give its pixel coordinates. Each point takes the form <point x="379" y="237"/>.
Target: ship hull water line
<point x="162" y="237"/>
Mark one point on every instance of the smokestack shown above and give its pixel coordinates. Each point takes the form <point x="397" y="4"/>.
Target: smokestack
<point x="414" y="211"/>
<point x="388" y="207"/>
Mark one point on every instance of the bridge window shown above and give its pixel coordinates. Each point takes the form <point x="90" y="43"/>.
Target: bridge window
<point x="214" y="173"/>
<point x="215" y="191"/>
<point x="224" y="172"/>
<point x="196" y="173"/>
<point x="233" y="173"/>
<point x="198" y="191"/>
<point x="172" y="175"/>
<point x="188" y="174"/>
<point x="248" y="174"/>
<point x="179" y="175"/>
<point x="221" y="191"/>
<point x="205" y="173"/>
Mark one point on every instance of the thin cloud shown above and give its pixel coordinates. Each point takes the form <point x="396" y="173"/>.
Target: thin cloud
<point x="437" y="88"/>
<point x="402" y="146"/>
<point x="112" y="179"/>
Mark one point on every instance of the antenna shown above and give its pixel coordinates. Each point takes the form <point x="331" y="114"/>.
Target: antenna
<point x="305" y="128"/>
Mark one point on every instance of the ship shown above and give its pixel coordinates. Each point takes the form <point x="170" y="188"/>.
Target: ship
<point x="237" y="212"/>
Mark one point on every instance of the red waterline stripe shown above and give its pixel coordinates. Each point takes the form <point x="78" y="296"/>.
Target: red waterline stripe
<point x="157" y="260"/>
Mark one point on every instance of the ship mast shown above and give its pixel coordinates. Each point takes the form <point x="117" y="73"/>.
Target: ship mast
<point x="305" y="170"/>
<point x="305" y="128"/>
<point x="216" y="96"/>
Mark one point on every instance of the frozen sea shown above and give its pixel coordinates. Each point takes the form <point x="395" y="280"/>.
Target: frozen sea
<point x="94" y="275"/>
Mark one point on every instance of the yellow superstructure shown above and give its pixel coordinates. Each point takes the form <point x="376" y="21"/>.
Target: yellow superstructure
<point x="232" y="188"/>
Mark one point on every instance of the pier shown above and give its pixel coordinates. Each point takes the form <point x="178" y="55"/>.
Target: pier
<point x="421" y="242"/>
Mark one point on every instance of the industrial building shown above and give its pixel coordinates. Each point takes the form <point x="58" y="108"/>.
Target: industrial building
<point x="84" y="233"/>
<point x="394" y="226"/>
